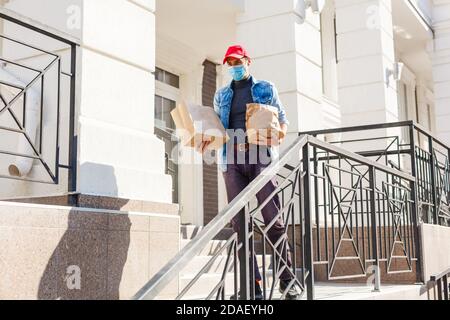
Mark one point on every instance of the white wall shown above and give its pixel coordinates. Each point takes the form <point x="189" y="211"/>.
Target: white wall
<point x="38" y="60"/>
<point x="365" y="51"/>
<point x="118" y="154"/>
<point x="441" y="67"/>
<point x="331" y="110"/>
<point x="117" y="101"/>
<point x="435" y="249"/>
<point x="62" y="14"/>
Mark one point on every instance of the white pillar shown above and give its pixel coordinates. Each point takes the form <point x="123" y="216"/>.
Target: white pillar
<point x="365" y="52"/>
<point x="441" y="67"/>
<point x="287" y="53"/>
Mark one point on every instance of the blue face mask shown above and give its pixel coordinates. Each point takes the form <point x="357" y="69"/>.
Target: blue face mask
<point x="238" y="72"/>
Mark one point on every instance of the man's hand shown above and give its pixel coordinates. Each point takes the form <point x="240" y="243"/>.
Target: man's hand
<point x="201" y="148"/>
<point x="263" y="141"/>
<point x="272" y="141"/>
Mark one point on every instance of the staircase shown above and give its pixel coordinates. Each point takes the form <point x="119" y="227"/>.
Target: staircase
<point x="214" y="272"/>
<point x="321" y="188"/>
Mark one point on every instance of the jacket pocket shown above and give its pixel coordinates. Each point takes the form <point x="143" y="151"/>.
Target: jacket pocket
<point x="264" y="95"/>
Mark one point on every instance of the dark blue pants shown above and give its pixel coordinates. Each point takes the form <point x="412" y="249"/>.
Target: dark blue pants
<point x="242" y="168"/>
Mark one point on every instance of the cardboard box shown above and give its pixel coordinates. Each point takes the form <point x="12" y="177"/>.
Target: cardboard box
<point x="262" y="121"/>
<point x="197" y="123"/>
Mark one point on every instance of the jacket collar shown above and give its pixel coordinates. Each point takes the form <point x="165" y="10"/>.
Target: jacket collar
<point x="254" y="81"/>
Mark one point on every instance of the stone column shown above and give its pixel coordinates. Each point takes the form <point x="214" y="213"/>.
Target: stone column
<point x="441" y="67"/>
<point x="118" y="153"/>
<point x="365" y="52"/>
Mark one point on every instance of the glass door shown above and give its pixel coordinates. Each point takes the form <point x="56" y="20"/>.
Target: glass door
<point x="166" y="96"/>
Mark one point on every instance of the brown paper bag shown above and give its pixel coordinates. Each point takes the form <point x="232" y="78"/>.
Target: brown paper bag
<point x="262" y="121"/>
<point x="198" y="123"/>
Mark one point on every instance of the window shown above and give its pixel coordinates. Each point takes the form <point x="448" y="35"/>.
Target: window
<point x="167" y="77"/>
<point x="163" y="107"/>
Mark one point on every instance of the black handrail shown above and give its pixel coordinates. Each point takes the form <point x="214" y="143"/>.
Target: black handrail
<point x="356" y="157"/>
<point x="377" y="126"/>
<point x="28" y="23"/>
<point x="441" y="282"/>
<point x="73" y="43"/>
<point x="177" y="263"/>
<point x="431" y="167"/>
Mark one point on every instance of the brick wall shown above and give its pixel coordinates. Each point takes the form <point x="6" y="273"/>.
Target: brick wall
<point x="210" y="184"/>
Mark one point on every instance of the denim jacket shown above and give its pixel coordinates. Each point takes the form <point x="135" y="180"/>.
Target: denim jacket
<point x="263" y="92"/>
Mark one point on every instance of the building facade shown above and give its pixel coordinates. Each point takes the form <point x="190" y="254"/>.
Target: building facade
<point x="332" y="69"/>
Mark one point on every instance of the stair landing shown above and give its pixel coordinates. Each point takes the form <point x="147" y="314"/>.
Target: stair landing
<point x="327" y="291"/>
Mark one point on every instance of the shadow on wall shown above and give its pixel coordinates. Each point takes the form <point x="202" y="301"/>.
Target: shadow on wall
<point x="89" y="259"/>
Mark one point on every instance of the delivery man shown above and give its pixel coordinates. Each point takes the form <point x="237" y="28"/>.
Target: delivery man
<point x="239" y="164"/>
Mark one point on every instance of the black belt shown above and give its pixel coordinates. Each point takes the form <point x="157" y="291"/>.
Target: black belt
<point x="241" y="147"/>
<point x="244" y="147"/>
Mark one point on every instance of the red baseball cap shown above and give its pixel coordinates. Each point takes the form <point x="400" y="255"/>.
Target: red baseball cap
<point x="235" y="52"/>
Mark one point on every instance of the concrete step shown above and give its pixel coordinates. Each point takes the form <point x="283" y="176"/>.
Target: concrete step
<point x="211" y="278"/>
<point x="211" y="248"/>
<point x="203" y="287"/>
<point x="276" y="296"/>
<point x="207" y="282"/>
<point x="190" y="231"/>
<point x="327" y="291"/>
<point x="98" y="202"/>
<point x="214" y="246"/>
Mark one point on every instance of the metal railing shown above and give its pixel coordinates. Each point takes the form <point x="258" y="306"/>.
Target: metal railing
<point x="364" y="214"/>
<point x="368" y="217"/>
<point x="422" y="15"/>
<point x="409" y="148"/>
<point x="46" y="80"/>
<point x="441" y="284"/>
